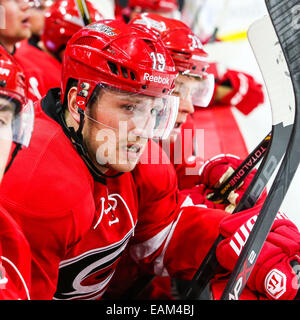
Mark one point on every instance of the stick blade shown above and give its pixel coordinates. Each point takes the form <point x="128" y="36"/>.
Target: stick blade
<point x="270" y="58"/>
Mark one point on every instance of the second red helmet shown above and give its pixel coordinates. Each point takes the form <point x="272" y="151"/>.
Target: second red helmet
<point x="62" y="20"/>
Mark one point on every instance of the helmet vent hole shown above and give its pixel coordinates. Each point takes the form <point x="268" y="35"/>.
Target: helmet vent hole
<point x="124" y="72"/>
<point x="86" y="41"/>
<point x="132" y="76"/>
<point x="151" y="45"/>
<point x="113" y="67"/>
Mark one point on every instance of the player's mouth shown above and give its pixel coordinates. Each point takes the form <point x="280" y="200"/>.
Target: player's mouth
<point x="178" y="125"/>
<point x="133" y="150"/>
<point x="26" y="22"/>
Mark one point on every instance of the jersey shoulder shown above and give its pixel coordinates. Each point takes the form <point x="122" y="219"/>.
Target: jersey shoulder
<point x="51" y="177"/>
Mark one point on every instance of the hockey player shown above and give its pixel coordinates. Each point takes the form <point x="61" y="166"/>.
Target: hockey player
<point x="194" y="86"/>
<point x="232" y="89"/>
<point x="87" y="199"/>
<point x="16" y="121"/>
<point x="62" y="20"/>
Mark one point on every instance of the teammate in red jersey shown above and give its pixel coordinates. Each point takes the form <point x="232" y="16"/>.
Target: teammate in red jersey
<point x="87" y="198"/>
<point x="195" y="86"/>
<point x="16" y="121"/>
<point x="41" y="60"/>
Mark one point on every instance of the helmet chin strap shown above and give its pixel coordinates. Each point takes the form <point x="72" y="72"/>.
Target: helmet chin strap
<point x="18" y="147"/>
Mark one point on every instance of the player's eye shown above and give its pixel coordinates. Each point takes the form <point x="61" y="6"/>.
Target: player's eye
<point x="128" y="107"/>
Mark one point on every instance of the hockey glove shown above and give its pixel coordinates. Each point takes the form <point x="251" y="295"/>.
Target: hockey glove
<point x="275" y="271"/>
<point x="215" y="171"/>
<point x="246" y="93"/>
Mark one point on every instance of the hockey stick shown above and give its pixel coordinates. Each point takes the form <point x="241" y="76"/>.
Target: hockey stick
<point x="84" y="12"/>
<point x="232" y="182"/>
<point x="280" y="91"/>
<point x="289" y="39"/>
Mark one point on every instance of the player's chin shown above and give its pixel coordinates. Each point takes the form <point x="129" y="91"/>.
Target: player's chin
<point x="24" y="34"/>
<point x="173" y="136"/>
<point x="124" y="167"/>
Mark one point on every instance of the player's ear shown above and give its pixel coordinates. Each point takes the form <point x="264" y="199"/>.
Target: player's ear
<point x="72" y="106"/>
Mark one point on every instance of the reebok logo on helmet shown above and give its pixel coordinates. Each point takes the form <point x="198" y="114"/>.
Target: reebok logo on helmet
<point x="156" y="79"/>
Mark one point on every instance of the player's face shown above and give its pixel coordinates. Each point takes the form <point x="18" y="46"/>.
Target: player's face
<point x="37" y="15"/>
<point x="184" y="88"/>
<point x="117" y="139"/>
<point x="6" y="118"/>
<point x="37" y="18"/>
<point x="16" y="26"/>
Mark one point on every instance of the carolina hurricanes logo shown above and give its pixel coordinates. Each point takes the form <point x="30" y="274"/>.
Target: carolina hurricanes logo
<point x="86" y="276"/>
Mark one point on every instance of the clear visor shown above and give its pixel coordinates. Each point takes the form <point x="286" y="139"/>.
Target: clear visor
<point x="140" y="115"/>
<point x="23" y="125"/>
<point x="16" y="125"/>
<point x="199" y="89"/>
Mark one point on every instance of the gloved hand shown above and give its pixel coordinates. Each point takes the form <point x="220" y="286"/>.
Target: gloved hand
<point x="215" y="171"/>
<point x="273" y="273"/>
<point x="246" y="93"/>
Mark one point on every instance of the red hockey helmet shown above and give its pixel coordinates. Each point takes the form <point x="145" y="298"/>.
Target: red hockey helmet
<point x="13" y="88"/>
<point x="186" y="50"/>
<point x="154" y="5"/>
<point x="130" y="59"/>
<point x="62" y="20"/>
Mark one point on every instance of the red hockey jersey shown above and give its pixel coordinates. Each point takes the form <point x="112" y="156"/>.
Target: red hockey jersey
<point x="42" y="71"/>
<point x="15" y="259"/>
<point x="78" y="228"/>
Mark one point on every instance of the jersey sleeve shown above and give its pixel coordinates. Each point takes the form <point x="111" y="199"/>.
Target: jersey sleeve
<point x="15" y="261"/>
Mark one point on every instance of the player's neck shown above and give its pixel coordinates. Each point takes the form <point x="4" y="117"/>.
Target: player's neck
<point x="8" y="46"/>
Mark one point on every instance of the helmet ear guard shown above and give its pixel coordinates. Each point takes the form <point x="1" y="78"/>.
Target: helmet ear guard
<point x="82" y="95"/>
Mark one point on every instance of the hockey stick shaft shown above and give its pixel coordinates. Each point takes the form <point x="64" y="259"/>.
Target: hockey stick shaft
<point x="84" y="12"/>
<point x="241" y="172"/>
<point x="289" y="38"/>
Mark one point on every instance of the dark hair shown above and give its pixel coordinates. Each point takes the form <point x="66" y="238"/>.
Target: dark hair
<point x="16" y="103"/>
